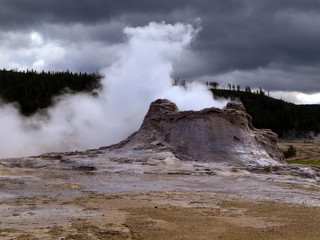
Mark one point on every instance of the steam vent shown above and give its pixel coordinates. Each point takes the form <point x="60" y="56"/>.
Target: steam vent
<point x="210" y="135"/>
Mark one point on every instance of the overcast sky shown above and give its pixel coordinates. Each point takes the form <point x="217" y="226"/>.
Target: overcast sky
<point x="269" y="43"/>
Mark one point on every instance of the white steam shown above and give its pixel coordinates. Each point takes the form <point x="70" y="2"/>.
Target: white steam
<point x="140" y="76"/>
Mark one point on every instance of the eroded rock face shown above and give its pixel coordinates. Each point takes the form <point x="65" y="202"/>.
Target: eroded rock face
<point x="211" y="135"/>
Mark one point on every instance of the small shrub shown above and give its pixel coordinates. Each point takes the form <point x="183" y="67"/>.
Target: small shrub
<point x="291" y="152"/>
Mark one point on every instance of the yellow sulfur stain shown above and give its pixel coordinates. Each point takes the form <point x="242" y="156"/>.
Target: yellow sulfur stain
<point x="69" y="185"/>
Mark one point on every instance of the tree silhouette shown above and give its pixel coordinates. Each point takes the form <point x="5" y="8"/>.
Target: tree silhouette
<point x="33" y="91"/>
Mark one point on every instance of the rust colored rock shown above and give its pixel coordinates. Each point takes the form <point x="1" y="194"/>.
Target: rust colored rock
<point x="212" y="134"/>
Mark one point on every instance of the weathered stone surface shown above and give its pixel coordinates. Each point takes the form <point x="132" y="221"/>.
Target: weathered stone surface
<point x="218" y="135"/>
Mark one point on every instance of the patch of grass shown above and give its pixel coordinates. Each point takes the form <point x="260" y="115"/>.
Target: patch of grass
<point x="301" y="161"/>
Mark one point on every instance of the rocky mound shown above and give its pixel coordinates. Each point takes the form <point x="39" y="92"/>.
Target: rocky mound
<point x="211" y="135"/>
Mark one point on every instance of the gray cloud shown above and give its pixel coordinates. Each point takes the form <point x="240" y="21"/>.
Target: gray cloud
<point x="269" y="43"/>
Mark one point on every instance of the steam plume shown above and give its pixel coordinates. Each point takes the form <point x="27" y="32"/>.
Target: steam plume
<point x="141" y="75"/>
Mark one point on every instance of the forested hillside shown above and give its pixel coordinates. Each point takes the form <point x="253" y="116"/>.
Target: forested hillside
<point x="312" y="106"/>
<point x="286" y="119"/>
<point x="33" y="90"/>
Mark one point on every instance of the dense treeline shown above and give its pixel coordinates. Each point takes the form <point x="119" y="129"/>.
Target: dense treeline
<point x="312" y="106"/>
<point x="286" y="119"/>
<point x="33" y="90"/>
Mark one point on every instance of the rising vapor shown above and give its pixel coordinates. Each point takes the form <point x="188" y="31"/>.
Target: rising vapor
<point x="141" y="74"/>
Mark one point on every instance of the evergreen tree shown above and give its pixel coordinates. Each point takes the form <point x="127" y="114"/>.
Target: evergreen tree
<point x="33" y="91"/>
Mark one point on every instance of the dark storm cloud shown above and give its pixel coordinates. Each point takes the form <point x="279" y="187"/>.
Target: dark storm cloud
<point x="16" y="13"/>
<point x="265" y="37"/>
<point x="259" y="34"/>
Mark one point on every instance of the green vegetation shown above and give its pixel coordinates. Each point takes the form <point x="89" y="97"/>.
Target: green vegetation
<point x="291" y="152"/>
<point x="307" y="152"/>
<point x="286" y="119"/>
<point x="301" y="161"/>
<point x="33" y="91"/>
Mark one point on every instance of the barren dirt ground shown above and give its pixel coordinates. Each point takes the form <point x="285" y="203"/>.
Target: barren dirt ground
<point x="40" y="199"/>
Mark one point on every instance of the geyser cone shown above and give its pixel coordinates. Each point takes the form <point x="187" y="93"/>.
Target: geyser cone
<point x="218" y="135"/>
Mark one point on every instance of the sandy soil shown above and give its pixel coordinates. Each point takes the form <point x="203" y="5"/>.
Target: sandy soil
<point x="78" y="196"/>
<point x="158" y="215"/>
